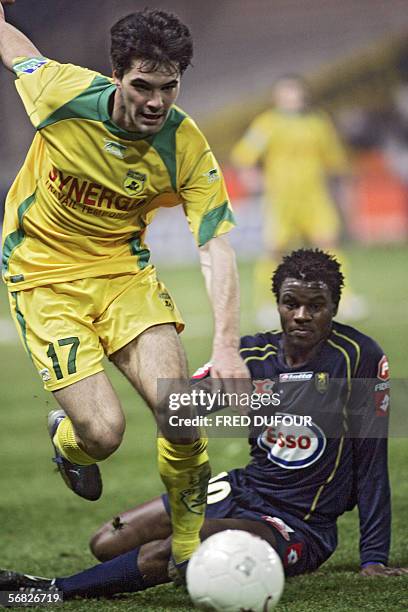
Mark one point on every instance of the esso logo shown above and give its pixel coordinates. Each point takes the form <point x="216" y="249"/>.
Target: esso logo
<point x="293" y="447"/>
<point x="383" y="372"/>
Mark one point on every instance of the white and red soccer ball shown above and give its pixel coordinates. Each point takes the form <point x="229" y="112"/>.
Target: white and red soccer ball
<point x="234" y="570"/>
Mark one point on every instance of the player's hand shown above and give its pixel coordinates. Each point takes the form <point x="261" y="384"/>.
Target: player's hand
<point x="378" y="569"/>
<point x="228" y="367"/>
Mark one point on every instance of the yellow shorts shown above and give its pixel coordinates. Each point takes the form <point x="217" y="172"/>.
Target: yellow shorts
<point x="67" y="328"/>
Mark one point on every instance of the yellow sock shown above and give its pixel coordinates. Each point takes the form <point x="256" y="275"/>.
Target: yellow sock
<point x="64" y="440"/>
<point x="185" y="470"/>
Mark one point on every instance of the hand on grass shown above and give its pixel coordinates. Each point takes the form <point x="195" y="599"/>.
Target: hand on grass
<point x="378" y="569"/>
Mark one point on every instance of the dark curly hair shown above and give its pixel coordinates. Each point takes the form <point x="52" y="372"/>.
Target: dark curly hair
<point x="157" y="37"/>
<point x="310" y="265"/>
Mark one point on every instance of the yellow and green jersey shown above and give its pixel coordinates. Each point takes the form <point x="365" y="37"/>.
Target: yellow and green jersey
<point x="297" y="152"/>
<point x="80" y="205"/>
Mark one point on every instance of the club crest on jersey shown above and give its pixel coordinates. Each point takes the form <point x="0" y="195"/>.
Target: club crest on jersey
<point x="292" y="446"/>
<point x="321" y="381"/>
<point x="134" y="182"/>
<point x="166" y="299"/>
<point x="212" y="175"/>
<point x="115" y="148"/>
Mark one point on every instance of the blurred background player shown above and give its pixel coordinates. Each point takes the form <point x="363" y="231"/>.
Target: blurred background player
<point x="106" y="154"/>
<point x="291" y="493"/>
<point x="298" y="151"/>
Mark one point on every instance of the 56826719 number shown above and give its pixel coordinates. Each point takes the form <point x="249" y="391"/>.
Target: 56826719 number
<point x="17" y="599"/>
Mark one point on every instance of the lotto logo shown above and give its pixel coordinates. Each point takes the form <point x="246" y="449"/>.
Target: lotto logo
<point x="295" y="376"/>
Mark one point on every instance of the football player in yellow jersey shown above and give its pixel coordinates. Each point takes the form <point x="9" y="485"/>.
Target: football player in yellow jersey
<point x="298" y="149"/>
<point x="106" y="155"/>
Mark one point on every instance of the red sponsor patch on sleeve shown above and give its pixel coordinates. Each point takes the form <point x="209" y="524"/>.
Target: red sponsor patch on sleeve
<point x="383" y="372"/>
<point x="382" y="402"/>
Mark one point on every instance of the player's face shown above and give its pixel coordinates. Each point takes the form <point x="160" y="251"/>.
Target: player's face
<point x="289" y="96"/>
<point x="143" y="99"/>
<point x="306" y="311"/>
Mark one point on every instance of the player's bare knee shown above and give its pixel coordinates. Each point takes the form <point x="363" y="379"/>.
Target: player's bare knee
<point x="101" y="448"/>
<point x="100" y="441"/>
<point x="102" y="436"/>
<point x="108" y="542"/>
<point x="99" y="544"/>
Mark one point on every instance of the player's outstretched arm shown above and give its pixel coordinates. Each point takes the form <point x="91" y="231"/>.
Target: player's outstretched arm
<point x="219" y="268"/>
<point x="13" y="43"/>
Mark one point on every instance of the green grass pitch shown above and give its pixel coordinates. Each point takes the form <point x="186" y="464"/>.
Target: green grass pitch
<point x="45" y="528"/>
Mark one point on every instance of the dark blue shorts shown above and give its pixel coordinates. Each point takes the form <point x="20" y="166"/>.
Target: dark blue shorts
<point x="301" y="547"/>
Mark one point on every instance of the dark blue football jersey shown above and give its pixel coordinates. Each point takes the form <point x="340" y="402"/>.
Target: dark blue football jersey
<point x="316" y="472"/>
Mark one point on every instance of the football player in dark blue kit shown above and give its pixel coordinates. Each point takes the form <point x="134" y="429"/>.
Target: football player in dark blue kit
<point x="301" y="478"/>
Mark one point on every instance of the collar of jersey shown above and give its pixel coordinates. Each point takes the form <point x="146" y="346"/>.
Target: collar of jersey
<point x="312" y="364"/>
<point x="107" y="121"/>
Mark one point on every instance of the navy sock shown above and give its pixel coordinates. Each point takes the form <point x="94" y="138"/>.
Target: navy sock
<point x="119" y="575"/>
